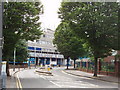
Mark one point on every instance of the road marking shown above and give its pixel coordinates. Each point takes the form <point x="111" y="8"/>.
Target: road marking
<point x="19" y="85"/>
<point x="55" y="75"/>
<point x="40" y="75"/>
<point x="93" y="78"/>
<point x="55" y="84"/>
<point x="79" y="77"/>
<point x="69" y="74"/>
<point x="74" y="75"/>
<point x="49" y="80"/>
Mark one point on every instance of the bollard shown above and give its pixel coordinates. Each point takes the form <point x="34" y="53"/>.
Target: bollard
<point x="3" y="75"/>
<point x="0" y="82"/>
<point x="41" y="65"/>
<point x="48" y="68"/>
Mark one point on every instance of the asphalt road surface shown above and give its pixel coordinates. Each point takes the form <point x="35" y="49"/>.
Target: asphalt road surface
<point x="30" y="79"/>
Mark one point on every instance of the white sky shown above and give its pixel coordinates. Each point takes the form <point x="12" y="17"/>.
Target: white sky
<point x="50" y="17"/>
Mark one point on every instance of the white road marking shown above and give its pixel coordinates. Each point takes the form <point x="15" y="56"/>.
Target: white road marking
<point x="65" y="82"/>
<point x="74" y="75"/>
<point x="67" y="73"/>
<point x="79" y="77"/>
<point x="55" y="84"/>
<point x="62" y="82"/>
<point x="55" y="75"/>
<point x="40" y="75"/>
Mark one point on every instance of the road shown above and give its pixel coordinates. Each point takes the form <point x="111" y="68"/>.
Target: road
<point x="30" y="79"/>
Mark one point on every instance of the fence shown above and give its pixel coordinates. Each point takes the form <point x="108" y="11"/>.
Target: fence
<point x="104" y="68"/>
<point x="21" y="65"/>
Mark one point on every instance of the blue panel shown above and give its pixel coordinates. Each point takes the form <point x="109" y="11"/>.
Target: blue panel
<point x="38" y="48"/>
<point x="31" y="48"/>
<point x="32" y="59"/>
<point x="42" y="61"/>
<point x="58" y="61"/>
<point x="13" y="62"/>
<point x="48" y="61"/>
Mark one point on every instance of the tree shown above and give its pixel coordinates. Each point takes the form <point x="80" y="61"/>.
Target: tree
<point x="21" y="21"/>
<point x="94" y="22"/>
<point x="21" y="51"/>
<point x="67" y="43"/>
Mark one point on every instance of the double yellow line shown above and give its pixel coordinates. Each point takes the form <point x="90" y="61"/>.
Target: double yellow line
<point x="18" y="83"/>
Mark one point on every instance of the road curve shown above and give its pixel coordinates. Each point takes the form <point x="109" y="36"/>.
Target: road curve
<point x="30" y="79"/>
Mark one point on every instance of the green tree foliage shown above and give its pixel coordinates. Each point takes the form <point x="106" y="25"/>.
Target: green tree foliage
<point x="96" y="23"/>
<point x="67" y="43"/>
<point x="21" y="51"/>
<point x="20" y="22"/>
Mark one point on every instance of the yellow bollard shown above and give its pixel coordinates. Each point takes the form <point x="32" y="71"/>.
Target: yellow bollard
<point x="41" y="65"/>
<point x="48" y="68"/>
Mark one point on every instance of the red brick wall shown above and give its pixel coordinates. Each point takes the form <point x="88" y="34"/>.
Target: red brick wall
<point x="109" y="58"/>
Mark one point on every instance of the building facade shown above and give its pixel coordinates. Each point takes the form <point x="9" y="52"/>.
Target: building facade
<point x="42" y="51"/>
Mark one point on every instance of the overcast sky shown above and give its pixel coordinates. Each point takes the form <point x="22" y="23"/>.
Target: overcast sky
<point x="50" y="17"/>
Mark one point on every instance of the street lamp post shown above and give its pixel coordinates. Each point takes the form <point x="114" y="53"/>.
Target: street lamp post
<point x="1" y="10"/>
<point x="35" y="53"/>
<point x="1" y="37"/>
<point x="14" y="58"/>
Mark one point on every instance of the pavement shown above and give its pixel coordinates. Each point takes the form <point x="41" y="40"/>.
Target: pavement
<point x="11" y="80"/>
<point x="90" y="75"/>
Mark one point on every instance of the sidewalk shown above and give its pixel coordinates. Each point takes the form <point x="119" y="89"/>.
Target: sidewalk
<point x="11" y="80"/>
<point x="90" y="75"/>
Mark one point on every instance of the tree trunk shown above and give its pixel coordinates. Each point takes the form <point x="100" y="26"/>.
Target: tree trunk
<point x="67" y="62"/>
<point x="95" y="67"/>
<point x="74" y="63"/>
<point x="7" y="68"/>
<point x="67" y="66"/>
